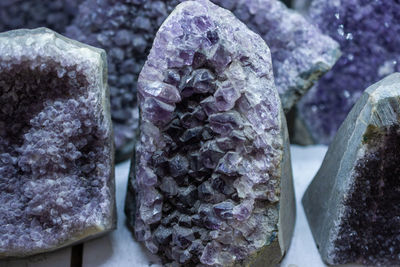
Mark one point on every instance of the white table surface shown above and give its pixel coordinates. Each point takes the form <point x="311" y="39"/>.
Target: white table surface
<point x="119" y="249"/>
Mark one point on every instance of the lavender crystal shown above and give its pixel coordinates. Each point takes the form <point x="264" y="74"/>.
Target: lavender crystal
<point x="367" y="31"/>
<point x="56" y="158"/>
<point x="301" y="54"/>
<point x="54" y="14"/>
<point x="211" y="180"/>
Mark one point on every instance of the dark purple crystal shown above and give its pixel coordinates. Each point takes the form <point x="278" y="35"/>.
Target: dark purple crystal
<point x="368" y="33"/>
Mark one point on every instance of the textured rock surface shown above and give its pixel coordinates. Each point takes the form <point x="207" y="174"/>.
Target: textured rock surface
<point x="54" y="14"/>
<point x="211" y="183"/>
<point x="56" y="158"/>
<point x="301" y="54"/>
<point x="352" y="205"/>
<point x="125" y="29"/>
<point x="368" y="32"/>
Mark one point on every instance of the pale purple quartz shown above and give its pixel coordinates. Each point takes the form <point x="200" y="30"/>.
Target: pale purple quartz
<point x="301" y="54"/>
<point x="56" y="152"/>
<point x="211" y="182"/>
<point x="368" y="32"/>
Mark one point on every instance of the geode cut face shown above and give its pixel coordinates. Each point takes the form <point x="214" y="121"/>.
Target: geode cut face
<point x="125" y="29"/>
<point x="53" y="14"/>
<point x="368" y="33"/>
<point x="211" y="181"/>
<point x="301" y="54"/>
<point x="353" y="205"/>
<point x="56" y="158"/>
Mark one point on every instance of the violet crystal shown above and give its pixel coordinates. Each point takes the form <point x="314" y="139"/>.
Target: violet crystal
<point x="353" y="204"/>
<point x="56" y="158"/>
<point x="368" y="32"/>
<point x="211" y="183"/>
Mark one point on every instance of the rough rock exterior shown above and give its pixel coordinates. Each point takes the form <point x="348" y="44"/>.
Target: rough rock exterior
<point x="352" y="205"/>
<point x="125" y="29"/>
<point x="301" y="54"/>
<point x="53" y="14"/>
<point x="211" y="182"/>
<point x="56" y="158"/>
<point x="368" y="32"/>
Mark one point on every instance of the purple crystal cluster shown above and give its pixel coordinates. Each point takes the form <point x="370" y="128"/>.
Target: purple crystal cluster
<point x="56" y="158"/>
<point x="54" y="14"/>
<point x="207" y="180"/>
<point x="125" y="29"/>
<point x="301" y="54"/>
<point x="367" y="31"/>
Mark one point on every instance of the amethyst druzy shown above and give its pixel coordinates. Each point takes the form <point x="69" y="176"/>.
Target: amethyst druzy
<point x="211" y="182"/>
<point x="301" y="54"/>
<point x="125" y="29"/>
<point x="56" y="158"/>
<point x="54" y="14"/>
<point x="353" y="203"/>
<point x="368" y="32"/>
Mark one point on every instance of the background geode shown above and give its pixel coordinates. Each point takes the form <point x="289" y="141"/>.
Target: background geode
<point x="211" y="181"/>
<point x="368" y="33"/>
<point x="125" y="29"/>
<point x="56" y="152"/>
<point x="53" y="14"/>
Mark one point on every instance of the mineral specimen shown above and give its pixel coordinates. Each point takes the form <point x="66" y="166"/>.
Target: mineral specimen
<point x="301" y="54"/>
<point x="368" y="32"/>
<point x="211" y="182"/>
<point x="352" y="205"/>
<point x="54" y="14"/>
<point x="125" y="29"/>
<point x="56" y="158"/>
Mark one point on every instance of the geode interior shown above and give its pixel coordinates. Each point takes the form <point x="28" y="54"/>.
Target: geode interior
<point x="369" y="229"/>
<point x="206" y="182"/>
<point x="56" y="183"/>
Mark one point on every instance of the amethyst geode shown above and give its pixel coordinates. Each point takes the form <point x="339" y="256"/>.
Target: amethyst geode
<point x="53" y="14"/>
<point x="301" y="54"/>
<point x="211" y="182"/>
<point x="56" y="154"/>
<point x="368" y="32"/>
<point x="353" y="203"/>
